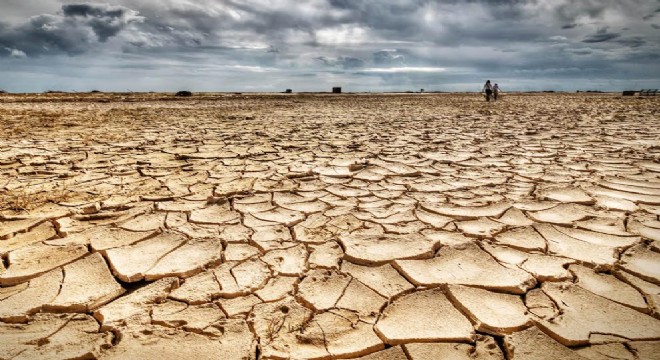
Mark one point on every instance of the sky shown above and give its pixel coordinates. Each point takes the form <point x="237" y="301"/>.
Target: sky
<point x="313" y="45"/>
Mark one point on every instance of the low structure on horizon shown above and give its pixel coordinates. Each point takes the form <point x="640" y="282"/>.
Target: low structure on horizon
<point x="336" y="90"/>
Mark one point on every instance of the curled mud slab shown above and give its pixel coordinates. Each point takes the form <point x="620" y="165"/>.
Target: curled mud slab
<point x="395" y="227"/>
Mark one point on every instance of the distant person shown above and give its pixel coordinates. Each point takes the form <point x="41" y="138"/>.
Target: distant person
<point x="496" y="91"/>
<point x="488" y="89"/>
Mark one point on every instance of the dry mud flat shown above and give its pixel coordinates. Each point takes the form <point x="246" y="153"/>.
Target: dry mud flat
<point x="329" y="227"/>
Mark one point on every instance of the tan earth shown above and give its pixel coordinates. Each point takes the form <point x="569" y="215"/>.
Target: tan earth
<point x="312" y="226"/>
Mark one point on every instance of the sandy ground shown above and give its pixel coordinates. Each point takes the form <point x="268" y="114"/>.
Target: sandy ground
<point x="228" y="226"/>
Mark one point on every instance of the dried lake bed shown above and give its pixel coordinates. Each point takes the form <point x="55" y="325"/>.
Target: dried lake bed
<point x="317" y="226"/>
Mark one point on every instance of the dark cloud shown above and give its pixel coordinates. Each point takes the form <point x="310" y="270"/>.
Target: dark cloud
<point x="650" y="16"/>
<point x="633" y="42"/>
<point x="73" y="31"/>
<point x="601" y="37"/>
<point x="569" y="11"/>
<point x="389" y="57"/>
<point x="93" y="10"/>
<point x="582" y="52"/>
<point x="569" y="26"/>
<point x="345" y="62"/>
<point x="105" y="20"/>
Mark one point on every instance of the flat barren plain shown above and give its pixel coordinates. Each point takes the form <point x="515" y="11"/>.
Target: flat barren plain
<point x="308" y="226"/>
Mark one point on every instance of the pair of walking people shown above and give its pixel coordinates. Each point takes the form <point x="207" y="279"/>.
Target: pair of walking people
<point x="490" y="90"/>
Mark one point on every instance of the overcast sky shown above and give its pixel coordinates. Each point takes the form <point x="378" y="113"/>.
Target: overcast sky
<point x="312" y="45"/>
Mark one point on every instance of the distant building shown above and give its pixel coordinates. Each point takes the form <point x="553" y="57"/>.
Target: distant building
<point x="336" y="90"/>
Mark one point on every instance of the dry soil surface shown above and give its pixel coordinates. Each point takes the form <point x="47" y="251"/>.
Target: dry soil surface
<point x="229" y="226"/>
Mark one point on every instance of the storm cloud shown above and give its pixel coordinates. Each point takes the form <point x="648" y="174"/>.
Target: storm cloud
<point x="596" y="38"/>
<point x="368" y="45"/>
<point x="73" y="30"/>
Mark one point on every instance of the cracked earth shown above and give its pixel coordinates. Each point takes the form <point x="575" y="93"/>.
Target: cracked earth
<point x="396" y="227"/>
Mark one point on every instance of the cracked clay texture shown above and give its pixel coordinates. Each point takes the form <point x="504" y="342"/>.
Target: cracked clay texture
<point x="311" y="226"/>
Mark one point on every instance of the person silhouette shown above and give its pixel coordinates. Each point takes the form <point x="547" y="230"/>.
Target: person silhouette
<point x="488" y="89"/>
<point x="496" y="91"/>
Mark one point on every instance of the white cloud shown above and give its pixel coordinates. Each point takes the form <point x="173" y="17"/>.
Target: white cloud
<point x="15" y="53"/>
<point x="343" y="34"/>
<point x="405" y="69"/>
